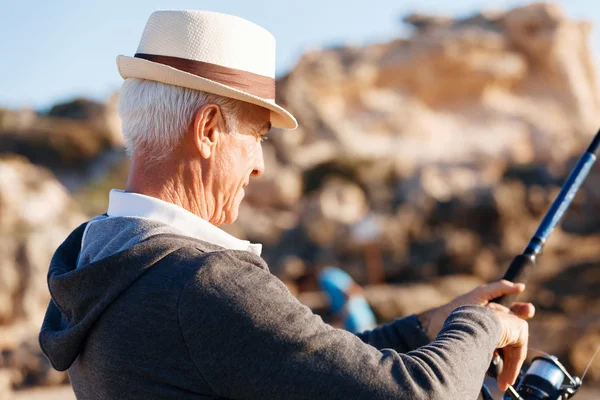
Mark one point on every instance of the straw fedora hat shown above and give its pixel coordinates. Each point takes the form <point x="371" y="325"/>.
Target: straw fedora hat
<point x="212" y="52"/>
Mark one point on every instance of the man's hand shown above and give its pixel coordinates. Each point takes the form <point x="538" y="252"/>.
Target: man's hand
<point x="515" y="330"/>
<point x="433" y="320"/>
<point x="513" y="342"/>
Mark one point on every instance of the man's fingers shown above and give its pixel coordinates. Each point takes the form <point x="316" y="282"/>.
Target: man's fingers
<point x="500" y="288"/>
<point x="514" y="356"/>
<point x="513" y="341"/>
<point x="498" y="307"/>
<point x="523" y="310"/>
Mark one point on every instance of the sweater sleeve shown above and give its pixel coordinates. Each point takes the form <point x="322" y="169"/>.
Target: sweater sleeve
<point x="250" y="338"/>
<point x="403" y="335"/>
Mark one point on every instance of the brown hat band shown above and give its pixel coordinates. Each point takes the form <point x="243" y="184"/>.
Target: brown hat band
<point x="251" y="83"/>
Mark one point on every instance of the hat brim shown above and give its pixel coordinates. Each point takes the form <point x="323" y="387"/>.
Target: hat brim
<point x="131" y="67"/>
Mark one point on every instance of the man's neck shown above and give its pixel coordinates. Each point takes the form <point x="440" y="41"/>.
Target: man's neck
<point x="165" y="181"/>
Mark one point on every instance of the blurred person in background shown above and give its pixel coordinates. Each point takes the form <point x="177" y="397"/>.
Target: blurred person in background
<point x="153" y="300"/>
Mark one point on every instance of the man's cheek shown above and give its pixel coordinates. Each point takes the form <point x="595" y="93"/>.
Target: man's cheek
<point x="248" y="160"/>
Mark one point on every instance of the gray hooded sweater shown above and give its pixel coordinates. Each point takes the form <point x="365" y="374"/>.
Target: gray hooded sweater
<point x="141" y="312"/>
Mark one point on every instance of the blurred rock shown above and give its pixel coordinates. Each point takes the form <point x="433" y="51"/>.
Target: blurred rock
<point x="503" y="85"/>
<point x="104" y="117"/>
<point x="29" y="367"/>
<point x="583" y="350"/>
<point x="263" y="225"/>
<point x="36" y="214"/>
<point x="328" y="210"/>
<point x="5" y="384"/>
<point x="69" y="140"/>
<point x="279" y="187"/>
<point x="394" y="301"/>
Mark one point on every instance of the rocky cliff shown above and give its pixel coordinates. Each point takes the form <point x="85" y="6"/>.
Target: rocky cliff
<point x="518" y="85"/>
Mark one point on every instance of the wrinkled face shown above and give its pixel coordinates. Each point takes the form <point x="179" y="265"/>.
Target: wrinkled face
<point x="238" y="156"/>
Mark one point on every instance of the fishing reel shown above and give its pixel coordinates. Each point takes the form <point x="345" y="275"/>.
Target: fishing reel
<point x="545" y="379"/>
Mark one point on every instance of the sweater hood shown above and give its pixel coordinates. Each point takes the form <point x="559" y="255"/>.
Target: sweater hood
<point x="81" y="292"/>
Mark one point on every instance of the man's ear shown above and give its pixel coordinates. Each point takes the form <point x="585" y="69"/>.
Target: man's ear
<point x="207" y="128"/>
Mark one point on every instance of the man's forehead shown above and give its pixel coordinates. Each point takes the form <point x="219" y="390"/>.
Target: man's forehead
<point x="260" y="112"/>
<point x="260" y="117"/>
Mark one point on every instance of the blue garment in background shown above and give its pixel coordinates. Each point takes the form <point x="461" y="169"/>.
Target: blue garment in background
<point x="354" y="310"/>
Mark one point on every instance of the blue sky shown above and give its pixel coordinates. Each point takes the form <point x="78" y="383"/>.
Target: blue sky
<point x="55" y="50"/>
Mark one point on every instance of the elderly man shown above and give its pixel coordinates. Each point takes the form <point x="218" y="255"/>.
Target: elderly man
<point x="153" y="300"/>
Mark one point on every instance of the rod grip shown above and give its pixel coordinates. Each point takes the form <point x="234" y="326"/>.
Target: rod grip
<point x="518" y="272"/>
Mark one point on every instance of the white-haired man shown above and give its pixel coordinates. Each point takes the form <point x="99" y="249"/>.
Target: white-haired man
<point x="153" y="300"/>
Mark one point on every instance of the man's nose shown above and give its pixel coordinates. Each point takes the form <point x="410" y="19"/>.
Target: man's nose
<point x="259" y="167"/>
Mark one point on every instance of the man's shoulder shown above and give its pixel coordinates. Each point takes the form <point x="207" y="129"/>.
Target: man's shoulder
<point x="216" y="269"/>
<point x="208" y="262"/>
<point x="232" y="282"/>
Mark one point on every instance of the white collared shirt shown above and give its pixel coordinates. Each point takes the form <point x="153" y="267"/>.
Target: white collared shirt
<point x="126" y="204"/>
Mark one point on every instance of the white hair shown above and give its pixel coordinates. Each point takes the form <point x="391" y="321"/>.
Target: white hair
<point x="155" y="116"/>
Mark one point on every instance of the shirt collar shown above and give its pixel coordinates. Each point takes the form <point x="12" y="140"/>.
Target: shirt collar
<point x="126" y="204"/>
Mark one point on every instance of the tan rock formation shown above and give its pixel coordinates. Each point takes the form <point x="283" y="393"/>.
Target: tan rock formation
<point x="505" y="85"/>
<point x="68" y="139"/>
<point x="337" y="204"/>
<point x="36" y="214"/>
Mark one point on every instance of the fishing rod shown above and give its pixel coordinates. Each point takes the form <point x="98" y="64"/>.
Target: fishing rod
<point x="546" y="376"/>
